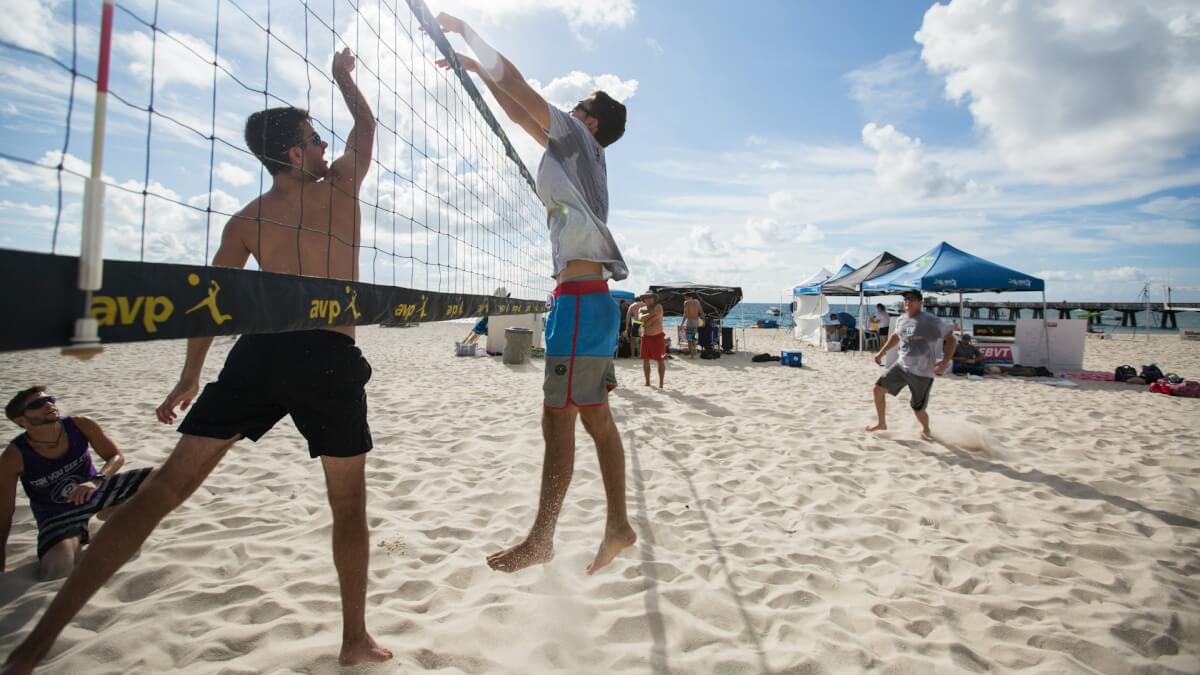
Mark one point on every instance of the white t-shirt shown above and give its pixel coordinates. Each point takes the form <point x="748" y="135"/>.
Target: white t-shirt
<point x="883" y="318"/>
<point x="920" y="342"/>
<point x="572" y="182"/>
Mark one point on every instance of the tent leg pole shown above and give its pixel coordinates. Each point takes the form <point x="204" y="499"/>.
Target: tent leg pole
<point x="1045" y="330"/>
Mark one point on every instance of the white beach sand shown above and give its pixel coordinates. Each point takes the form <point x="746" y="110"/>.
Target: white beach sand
<point x="1045" y="530"/>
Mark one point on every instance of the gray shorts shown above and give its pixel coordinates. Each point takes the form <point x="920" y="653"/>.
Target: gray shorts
<point x="897" y="378"/>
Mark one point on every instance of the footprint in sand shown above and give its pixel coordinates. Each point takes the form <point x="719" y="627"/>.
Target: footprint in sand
<point x="393" y="546"/>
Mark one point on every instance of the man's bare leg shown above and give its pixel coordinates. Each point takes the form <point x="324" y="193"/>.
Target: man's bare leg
<point x="880" y="409"/>
<point x="923" y="418"/>
<point x="662" y="371"/>
<point x="346" y="485"/>
<point x="646" y="370"/>
<point x="187" y="467"/>
<point x="59" y="560"/>
<point x="618" y="534"/>
<point x="558" y="428"/>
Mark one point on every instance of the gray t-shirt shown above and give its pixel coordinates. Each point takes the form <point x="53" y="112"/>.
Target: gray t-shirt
<point x="572" y="181"/>
<point x="920" y="342"/>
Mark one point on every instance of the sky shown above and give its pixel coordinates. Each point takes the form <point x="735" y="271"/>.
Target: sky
<point x="1060" y="138"/>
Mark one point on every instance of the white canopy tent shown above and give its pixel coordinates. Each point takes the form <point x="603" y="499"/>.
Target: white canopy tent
<point x="809" y="307"/>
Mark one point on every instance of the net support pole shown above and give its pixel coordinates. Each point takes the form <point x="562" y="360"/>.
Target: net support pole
<point x="85" y="343"/>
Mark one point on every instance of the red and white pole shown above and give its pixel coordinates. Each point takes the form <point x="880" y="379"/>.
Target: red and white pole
<point x="86" y="341"/>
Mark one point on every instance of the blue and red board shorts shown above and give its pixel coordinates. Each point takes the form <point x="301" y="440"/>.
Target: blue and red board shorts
<point x="581" y="338"/>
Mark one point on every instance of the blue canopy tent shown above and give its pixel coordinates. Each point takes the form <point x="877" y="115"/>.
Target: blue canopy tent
<point x="620" y="295"/>
<point x="812" y="285"/>
<point x="946" y="269"/>
<point x="846" y="269"/>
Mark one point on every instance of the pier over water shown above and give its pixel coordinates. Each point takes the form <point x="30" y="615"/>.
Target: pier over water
<point x="1011" y="311"/>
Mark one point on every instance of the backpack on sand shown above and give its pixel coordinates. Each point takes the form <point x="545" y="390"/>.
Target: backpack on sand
<point x="1152" y="373"/>
<point x="1124" y="373"/>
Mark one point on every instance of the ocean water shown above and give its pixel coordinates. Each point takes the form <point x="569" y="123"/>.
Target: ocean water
<point x="745" y="314"/>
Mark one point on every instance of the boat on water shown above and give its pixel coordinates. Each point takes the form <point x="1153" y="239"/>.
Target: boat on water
<point x="774" y="311"/>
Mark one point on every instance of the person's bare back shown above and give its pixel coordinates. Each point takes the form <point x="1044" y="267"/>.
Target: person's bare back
<point x="315" y="233"/>
<point x="313" y="229"/>
<point x="310" y="222"/>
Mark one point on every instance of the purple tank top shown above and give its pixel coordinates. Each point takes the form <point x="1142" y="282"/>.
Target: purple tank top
<point x="48" y="482"/>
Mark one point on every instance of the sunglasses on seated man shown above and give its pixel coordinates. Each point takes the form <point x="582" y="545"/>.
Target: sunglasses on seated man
<point x="38" y="404"/>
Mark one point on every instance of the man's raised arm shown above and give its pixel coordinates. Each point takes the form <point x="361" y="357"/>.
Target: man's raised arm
<point x="351" y="168"/>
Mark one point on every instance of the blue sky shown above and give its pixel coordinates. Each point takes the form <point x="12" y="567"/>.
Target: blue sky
<point x="1059" y="138"/>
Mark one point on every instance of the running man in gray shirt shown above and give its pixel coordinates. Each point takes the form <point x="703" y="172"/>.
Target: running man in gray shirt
<point x="581" y="330"/>
<point x="918" y="333"/>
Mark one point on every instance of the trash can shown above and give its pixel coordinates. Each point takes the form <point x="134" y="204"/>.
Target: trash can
<point x="518" y="343"/>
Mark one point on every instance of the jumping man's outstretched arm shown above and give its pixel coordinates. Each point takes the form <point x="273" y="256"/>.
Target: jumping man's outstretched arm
<point x="511" y="108"/>
<point x="495" y="69"/>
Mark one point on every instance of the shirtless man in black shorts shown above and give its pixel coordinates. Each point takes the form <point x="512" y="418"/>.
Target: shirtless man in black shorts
<point x="307" y="223"/>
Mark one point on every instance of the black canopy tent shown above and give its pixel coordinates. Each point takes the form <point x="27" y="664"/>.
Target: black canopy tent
<point x="716" y="301"/>
<point x="851" y="283"/>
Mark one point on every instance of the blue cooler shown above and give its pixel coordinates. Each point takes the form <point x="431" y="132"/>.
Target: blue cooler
<point x="790" y="357"/>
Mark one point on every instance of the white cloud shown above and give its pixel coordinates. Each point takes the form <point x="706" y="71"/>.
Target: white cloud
<point x="1111" y="275"/>
<point x="234" y="175"/>
<point x="1059" y="275"/>
<point x="1072" y="90"/>
<point x="768" y="232"/>
<point x="174" y="57"/>
<point x="580" y="14"/>
<point x="1173" y="207"/>
<point x="903" y="168"/>
<point x="575" y="86"/>
<point x="893" y="88"/>
<point x="851" y="256"/>
<point x="31" y="24"/>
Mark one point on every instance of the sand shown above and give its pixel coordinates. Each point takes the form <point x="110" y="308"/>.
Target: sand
<point x="1044" y="529"/>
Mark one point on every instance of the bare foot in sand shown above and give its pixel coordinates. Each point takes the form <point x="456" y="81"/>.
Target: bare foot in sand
<point x="524" y="554"/>
<point x="877" y="427"/>
<point x="926" y="435"/>
<point x="614" y="542"/>
<point x="363" y="651"/>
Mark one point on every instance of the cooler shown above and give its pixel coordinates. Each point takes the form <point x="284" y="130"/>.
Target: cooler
<point x="790" y="357"/>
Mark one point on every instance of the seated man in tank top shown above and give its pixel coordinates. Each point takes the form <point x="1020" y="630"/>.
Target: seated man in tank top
<point x="52" y="462"/>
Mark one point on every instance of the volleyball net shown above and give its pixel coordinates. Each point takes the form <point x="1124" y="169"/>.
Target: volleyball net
<point x="126" y="157"/>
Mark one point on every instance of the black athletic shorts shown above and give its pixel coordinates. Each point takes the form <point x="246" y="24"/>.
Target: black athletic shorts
<point x="316" y="376"/>
<point x="897" y="378"/>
